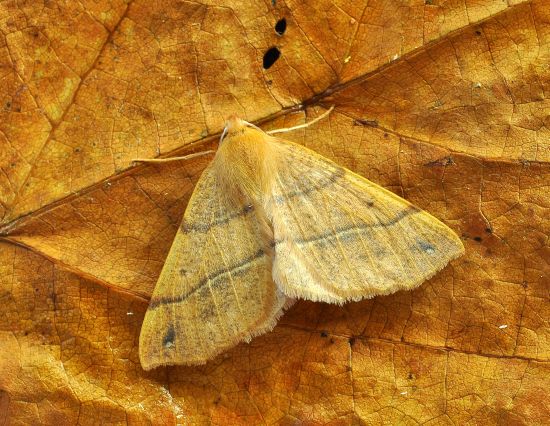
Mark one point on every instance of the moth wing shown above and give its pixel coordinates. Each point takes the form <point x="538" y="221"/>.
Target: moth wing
<point x="340" y="237"/>
<point x="215" y="288"/>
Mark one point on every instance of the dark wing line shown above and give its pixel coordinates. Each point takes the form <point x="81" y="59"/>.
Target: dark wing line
<point x="330" y="180"/>
<point x="361" y="227"/>
<point x="203" y="228"/>
<point x="236" y="269"/>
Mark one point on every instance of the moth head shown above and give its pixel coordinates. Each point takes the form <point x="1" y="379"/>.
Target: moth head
<point x="232" y="125"/>
<point x="235" y="125"/>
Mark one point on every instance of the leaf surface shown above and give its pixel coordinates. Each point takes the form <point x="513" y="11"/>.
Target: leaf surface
<point x="442" y="102"/>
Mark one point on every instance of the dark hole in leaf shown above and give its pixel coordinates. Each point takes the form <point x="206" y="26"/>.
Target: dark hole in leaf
<point x="270" y="57"/>
<point x="280" y="26"/>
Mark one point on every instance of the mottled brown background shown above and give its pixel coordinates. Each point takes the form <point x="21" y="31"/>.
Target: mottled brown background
<point x="442" y="101"/>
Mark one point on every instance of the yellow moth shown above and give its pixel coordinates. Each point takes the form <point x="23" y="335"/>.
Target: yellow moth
<point x="270" y="221"/>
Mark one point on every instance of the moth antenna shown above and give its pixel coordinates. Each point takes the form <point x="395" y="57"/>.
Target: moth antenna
<point x="167" y="160"/>
<point x="248" y="123"/>
<point x="301" y="126"/>
<point x="223" y="134"/>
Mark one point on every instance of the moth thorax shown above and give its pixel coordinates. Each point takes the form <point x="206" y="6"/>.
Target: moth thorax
<point x="247" y="161"/>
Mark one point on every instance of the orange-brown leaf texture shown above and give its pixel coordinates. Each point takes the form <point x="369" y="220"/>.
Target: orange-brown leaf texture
<point x="443" y="102"/>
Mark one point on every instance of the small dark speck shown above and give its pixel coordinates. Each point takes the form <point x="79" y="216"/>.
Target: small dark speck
<point x="217" y="400"/>
<point x="489" y="230"/>
<point x="441" y="162"/>
<point x="478" y="32"/>
<point x="386" y="135"/>
<point x="410" y="376"/>
<point x="370" y="203"/>
<point x="429" y="2"/>
<point x="351" y="341"/>
<point x="363" y="122"/>
<point x="324" y="334"/>
<point x="77" y="149"/>
<point x="8" y="105"/>
<point x="183" y="271"/>
<point x="478" y="239"/>
<point x="248" y="208"/>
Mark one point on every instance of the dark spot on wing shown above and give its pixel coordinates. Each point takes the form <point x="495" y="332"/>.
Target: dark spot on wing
<point x="169" y="337"/>
<point x="426" y="247"/>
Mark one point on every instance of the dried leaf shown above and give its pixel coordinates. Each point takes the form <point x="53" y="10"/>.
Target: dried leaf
<point x="443" y="103"/>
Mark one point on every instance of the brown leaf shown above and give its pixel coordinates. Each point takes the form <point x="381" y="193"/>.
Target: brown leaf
<point x="444" y="103"/>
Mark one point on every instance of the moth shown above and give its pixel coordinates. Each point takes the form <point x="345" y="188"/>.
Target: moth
<point x="271" y="221"/>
